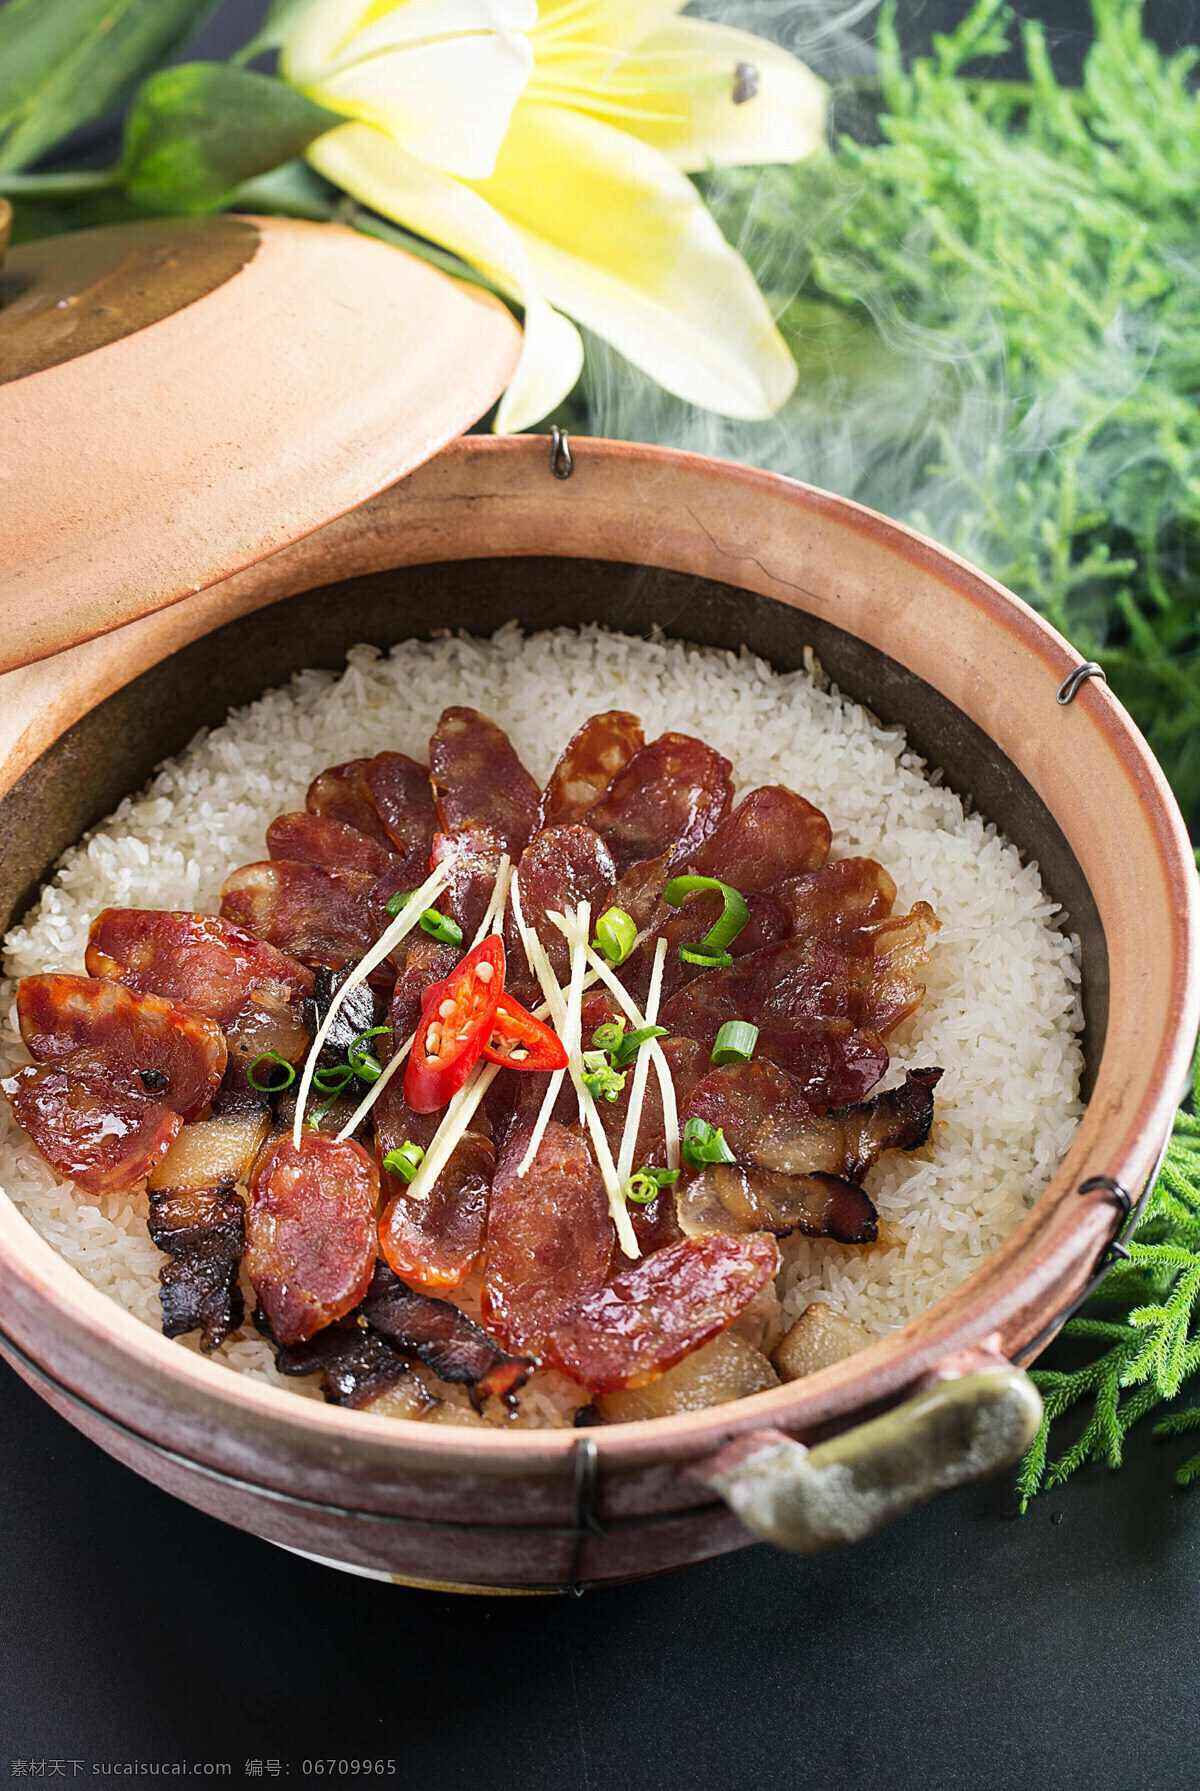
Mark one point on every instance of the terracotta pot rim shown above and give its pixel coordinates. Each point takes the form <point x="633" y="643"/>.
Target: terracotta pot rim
<point x="891" y="1365"/>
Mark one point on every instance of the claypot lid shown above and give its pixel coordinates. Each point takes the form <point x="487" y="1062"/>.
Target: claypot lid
<point x="180" y="398"/>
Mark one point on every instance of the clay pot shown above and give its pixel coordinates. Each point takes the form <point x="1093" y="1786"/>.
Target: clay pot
<point x="722" y="555"/>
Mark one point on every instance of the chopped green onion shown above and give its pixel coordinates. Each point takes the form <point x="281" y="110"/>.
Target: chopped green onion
<point x="644" y="1187"/>
<point x="405" y="1161"/>
<point x="438" y="926"/>
<point x="711" y="957"/>
<point x="271" y="1086"/>
<point x="616" y="935"/>
<point x="602" y="1082"/>
<point x="721" y="935"/>
<point x="735" y="1042"/>
<point x="702" y="1143"/>
<point x="333" y="1080"/>
<point x="623" y="1054"/>
<point x="608" y="1037"/>
<point x="441" y="927"/>
<point x="364" y="1064"/>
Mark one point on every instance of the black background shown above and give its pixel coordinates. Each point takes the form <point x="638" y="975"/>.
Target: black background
<point x="964" y="1647"/>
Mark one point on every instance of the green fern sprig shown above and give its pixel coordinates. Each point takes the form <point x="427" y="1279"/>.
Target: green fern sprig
<point x="1151" y="1343"/>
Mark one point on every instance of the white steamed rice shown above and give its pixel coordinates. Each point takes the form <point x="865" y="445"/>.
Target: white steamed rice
<point x="1001" y="1015"/>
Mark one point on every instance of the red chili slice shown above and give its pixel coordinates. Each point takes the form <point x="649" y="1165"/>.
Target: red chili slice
<point x="522" y="1041"/>
<point x="456" y="1023"/>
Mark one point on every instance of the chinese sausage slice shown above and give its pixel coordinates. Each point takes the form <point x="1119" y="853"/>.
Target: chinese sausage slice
<point x="311" y="1232"/>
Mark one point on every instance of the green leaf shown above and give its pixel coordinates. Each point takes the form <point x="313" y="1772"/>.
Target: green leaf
<point x="197" y="132"/>
<point x="64" y="62"/>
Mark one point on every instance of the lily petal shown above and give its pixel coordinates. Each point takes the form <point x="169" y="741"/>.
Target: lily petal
<point x="621" y="240"/>
<point x="601" y="24"/>
<point x="376" y="172"/>
<point x="676" y="91"/>
<point x="315" y="35"/>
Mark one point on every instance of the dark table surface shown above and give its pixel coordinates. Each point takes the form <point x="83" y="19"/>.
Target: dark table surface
<point x="964" y="1647"/>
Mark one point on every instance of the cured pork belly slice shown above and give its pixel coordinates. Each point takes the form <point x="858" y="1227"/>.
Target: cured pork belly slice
<point x="593" y="756"/>
<point x="356" y="1365"/>
<point x="796" y="1170"/>
<point x="442" y="1337"/>
<point x="311" y="1232"/>
<point x="668" y="798"/>
<point x="198" y="1220"/>
<point x="561" y="867"/>
<point x="175" y="1053"/>
<point x="90" y="1122"/>
<point x="772" y="833"/>
<point x="479" y="783"/>
<point x="733" y="1198"/>
<point x="318" y="839"/>
<point x="725" y="1368"/>
<point x="657" y="1311"/>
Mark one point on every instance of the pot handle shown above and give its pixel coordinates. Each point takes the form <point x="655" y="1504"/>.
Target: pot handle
<point x="808" y="1500"/>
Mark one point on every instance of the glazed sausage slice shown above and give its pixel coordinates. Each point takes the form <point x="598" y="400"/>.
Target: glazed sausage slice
<point x="98" y="1132"/>
<point x="403" y="798"/>
<point x="310" y="910"/>
<point x="198" y="959"/>
<point x="836" y="901"/>
<point x="177" y="1054"/>
<point x="479" y="783"/>
<point x="562" y="867"/>
<point x="668" y="798"/>
<point x="319" y="839"/>
<point x="343" y="793"/>
<point x="730" y="1198"/>
<point x="771" y="834"/>
<point x="651" y="1315"/>
<point x="591" y="759"/>
<point x="442" y="1337"/>
<point x="311" y="1232"/>
<point x="426" y="961"/>
<point x="436" y="1242"/>
<point x="549" y="1239"/>
<point x="472" y="861"/>
<point x="684" y="925"/>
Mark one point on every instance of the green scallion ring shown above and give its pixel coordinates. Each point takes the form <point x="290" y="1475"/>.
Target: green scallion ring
<point x="400" y="900"/>
<point x="616" y="935"/>
<point x="364" y="1064"/>
<point x="735" y="1042"/>
<point x="630" y="1043"/>
<point x="404" y="1161"/>
<point x="641" y="1189"/>
<point x="332" y="1080"/>
<point x="734" y="916"/>
<point x="271" y="1086"/>
<point x="608" y="1037"/>
<point x="703" y="1143"/>
<point x="710" y="957"/>
<point x="441" y="927"/>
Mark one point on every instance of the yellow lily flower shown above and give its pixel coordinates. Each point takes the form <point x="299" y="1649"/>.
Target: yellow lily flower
<point x="549" y="146"/>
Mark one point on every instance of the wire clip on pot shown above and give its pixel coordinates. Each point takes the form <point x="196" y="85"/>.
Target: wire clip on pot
<point x="584" y="1520"/>
<point x="1124" y="1200"/>
<point x="562" y="463"/>
<point x="1071" y="685"/>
